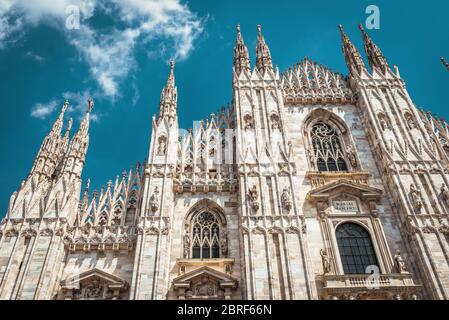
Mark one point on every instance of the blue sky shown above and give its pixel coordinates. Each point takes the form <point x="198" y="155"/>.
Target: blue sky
<point x="119" y="57"/>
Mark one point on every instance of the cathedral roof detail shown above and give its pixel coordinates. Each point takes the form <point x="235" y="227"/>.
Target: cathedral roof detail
<point x="308" y="82"/>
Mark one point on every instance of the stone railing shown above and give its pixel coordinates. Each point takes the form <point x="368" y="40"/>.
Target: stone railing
<point x="386" y="286"/>
<point x="204" y="182"/>
<point x="319" y="179"/>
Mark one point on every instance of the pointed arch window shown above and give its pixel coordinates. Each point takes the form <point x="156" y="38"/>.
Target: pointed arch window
<point x="205" y="237"/>
<point x="327" y="148"/>
<point x="356" y="248"/>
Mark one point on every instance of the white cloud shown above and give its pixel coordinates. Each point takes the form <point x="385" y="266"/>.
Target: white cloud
<point x="34" y="56"/>
<point x="43" y="110"/>
<point x="77" y="106"/>
<point x="109" y="52"/>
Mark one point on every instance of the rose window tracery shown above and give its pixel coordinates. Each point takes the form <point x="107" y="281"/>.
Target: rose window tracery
<point x="327" y="148"/>
<point x="205" y="237"/>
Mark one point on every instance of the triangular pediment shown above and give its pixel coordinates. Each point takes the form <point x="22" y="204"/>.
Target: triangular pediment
<point x="359" y="190"/>
<point x="202" y="272"/>
<point x="110" y="279"/>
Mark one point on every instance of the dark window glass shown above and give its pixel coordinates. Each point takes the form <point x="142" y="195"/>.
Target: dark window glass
<point x="356" y="248"/>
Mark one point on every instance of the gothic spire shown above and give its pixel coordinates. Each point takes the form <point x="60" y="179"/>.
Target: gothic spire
<point x="375" y="56"/>
<point x="354" y="60"/>
<point x="58" y="124"/>
<point x="445" y="63"/>
<point x="263" y="55"/>
<point x="169" y="96"/>
<point x="48" y="154"/>
<point x="241" y="56"/>
<point x="84" y="127"/>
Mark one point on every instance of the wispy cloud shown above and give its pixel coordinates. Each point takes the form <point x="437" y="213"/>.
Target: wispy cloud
<point x="110" y="55"/>
<point x="34" y="56"/>
<point x="43" y="110"/>
<point x="77" y="106"/>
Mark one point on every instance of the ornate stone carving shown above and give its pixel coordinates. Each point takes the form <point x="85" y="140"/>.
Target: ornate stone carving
<point x="224" y="243"/>
<point x="204" y="287"/>
<point x="384" y="124"/>
<point x="415" y="197"/>
<point x="274" y="122"/>
<point x="154" y="200"/>
<point x="400" y="263"/>
<point x="253" y="198"/>
<point x="325" y="261"/>
<point x="352" y="156"/>
<point x="94" y="290"/>
<point x="286" y="199"/>
<point x="162" y="146"/>
<point x="410" y="121"/>
<point x="248" y="122"/>
<point x="186" y="246"/>
<point x="445" y="195"/>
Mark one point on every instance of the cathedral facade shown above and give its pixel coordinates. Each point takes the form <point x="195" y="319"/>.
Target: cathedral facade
<point x="310" y="185"/>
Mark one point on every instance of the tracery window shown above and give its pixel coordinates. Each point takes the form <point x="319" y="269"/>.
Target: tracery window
<point x="356" y="248"/>
<point x="327" y="148"/>
<point x="205" y="236"/>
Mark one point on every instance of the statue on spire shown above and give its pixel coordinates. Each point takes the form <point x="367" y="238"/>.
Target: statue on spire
<point x="90" y="105"/>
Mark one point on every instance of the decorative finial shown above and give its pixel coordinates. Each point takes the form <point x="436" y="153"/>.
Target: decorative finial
<point x="259" y="29"/>
<point x="172" y="64"/>
<point x="238" y="28"/>
<point x="65" y="106"/>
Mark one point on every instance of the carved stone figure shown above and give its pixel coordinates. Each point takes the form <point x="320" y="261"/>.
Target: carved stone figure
<point x="325" y="261"/>
<point x="311" y="157"/>
<point x="186" y="246"/>
<point x="274" y="122"/>
<point x="94" y="290"/>
<point x="286" y="199"/>
<point x="162" y="149"/>
<point x="352" y="156"/>
<point x="154" y="200"/>
<point x="415" y="197"/>
<point x="224" y="243"/>
<point x="400" y="264"/>
<point x="410" y="122"/>
<point x="248" y="122"/>
<point x="204" y="288"/>
<point x="383" y="123"/>
<point x="253" y="197"/>
<point x="445" y="194"/>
